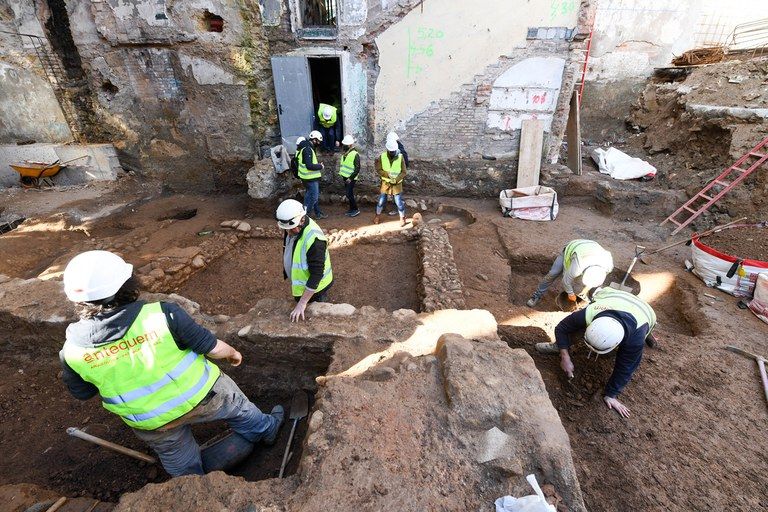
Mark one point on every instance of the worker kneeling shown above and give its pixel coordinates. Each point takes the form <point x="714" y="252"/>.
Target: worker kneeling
<point x="584" y="265"/>
<point x="306" y="260"/>
<point x="150" y="364"/>
<point x="613" y="319"/>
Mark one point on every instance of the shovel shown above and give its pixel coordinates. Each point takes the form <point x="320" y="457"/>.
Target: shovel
<point x="299" y="406"/>
<point x="639" y="250"/>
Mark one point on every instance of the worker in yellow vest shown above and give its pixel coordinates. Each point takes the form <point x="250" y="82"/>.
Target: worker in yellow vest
<point x="150" y="363"/>
<point x="349" y="168"/>
<point x="327" y="120"/>
<point x="310" y="172"/>
<point x="306" y="261"/>
<point x="584" y="265"/>
<point x="391" y="168"/>
<point x="614" y="319"/>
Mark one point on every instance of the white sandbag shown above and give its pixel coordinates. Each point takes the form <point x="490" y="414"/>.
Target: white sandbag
<point x="529" y="203"/>
<point x="280" y="158"/>
<point x="725" y="272"/>
<point x="620" y="166"/>
<point x="533" y="503"/>
<point x="759" y="303"/>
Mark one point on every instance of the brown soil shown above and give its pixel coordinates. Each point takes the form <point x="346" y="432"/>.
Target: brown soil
<point x="253" y="271"/>
<point x="745" y="243"/>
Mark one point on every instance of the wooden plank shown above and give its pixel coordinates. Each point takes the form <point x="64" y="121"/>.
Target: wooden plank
<point x="573" y="135"/>
<point x="529" y="158"/>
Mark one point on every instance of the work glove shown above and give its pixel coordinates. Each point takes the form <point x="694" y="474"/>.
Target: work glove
<point x="572" y="297"/>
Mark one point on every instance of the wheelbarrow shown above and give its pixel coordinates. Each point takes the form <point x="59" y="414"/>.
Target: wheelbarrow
<point x="32" y="174"/>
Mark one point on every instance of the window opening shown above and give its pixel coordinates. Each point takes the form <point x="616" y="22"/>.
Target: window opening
<point x="318" y="13"/>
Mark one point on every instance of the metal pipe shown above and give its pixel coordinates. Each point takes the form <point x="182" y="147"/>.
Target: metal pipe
<point x="76" y="432"/>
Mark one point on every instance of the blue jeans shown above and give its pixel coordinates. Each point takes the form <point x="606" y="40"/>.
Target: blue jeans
<point x="349" y="188"/>
<point x="312" y="197"/>
<point x="176" y="446"/>
<point x="329" y="137"/>
<point x="554" y="272"/>
<point x="398" y="201"/>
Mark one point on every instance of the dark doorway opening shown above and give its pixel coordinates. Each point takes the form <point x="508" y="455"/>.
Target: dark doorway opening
<point x="325" y="75"/>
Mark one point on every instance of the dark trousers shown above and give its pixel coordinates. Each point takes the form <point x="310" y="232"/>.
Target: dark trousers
<point x="349" y="187"/>
<point x="329" y="137"/>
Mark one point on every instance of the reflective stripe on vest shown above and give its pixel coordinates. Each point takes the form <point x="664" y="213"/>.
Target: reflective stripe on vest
<point x="607" y="299"/>
<point x="300" y="267"/>
<point x="304" y="173"/>
<point x="584" y="250"/>
<point x="393" y="168"/>
<point x="330" y="122"/>
<point x="347" y="164"/>
<point x="143" y="377"/>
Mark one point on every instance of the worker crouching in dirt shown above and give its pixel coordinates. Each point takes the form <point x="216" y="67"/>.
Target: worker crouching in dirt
<point x="391" y="168"/>
<point x="306" y="260"/>
<point x="584" y="265"/>
<point x="613" y="319"/>
<point x="150" y="364"/>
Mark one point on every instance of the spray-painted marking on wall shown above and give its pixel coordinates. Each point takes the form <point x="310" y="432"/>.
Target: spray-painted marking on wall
<point x="421" y="48"/>
<point x="562" y="8"/>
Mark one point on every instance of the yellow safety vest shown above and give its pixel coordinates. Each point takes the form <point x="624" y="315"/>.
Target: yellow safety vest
<point x="584" y="250"/>
<point x="330" y="122"/>
<point x="609" y="299"/>
<point x="304" y="173"/>
<point x="393" y="169"/>
<point x="300" y="268"/>
<point x="347" y="164"/>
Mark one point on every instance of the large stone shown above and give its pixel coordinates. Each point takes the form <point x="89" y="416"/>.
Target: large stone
<point x="262" y="180"/>
<point x="329" y="309"/>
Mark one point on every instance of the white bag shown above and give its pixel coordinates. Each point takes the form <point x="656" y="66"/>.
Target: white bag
<point x="621" y="166"/>
<point x="759" y="304"/>
<point x="725" y="272"/>
<point x="533" y="503"/>
<point x="529" y="203"/>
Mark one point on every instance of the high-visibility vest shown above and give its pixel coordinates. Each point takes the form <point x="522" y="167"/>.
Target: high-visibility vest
<point x="588" y="252"/>
<point x="304" y="173"/>
<point x="300" y="268"/>
<point x="609" y="299"/>
<point x="347" y="164"/>
<point x="330" y="122"/>
<point x="393" y="168"/>
<point x="144" y="377"/>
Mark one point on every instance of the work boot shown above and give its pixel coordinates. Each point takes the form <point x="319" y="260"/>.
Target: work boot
<point x="650" y="340"/>
<point x="402" y="222"/>
<point x="271" y="435"/>
<point x="353" y="213"/>
<point x="377" y="218"/>
<point x="547" y="348"/>
<point x="320" y="216"/>
<point x="535" y="299"/>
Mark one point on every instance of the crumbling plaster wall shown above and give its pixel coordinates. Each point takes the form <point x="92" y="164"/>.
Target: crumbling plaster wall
<point x="28" y="107"/>
<point x="192" y="106"/>
<point x="631" y="38"/>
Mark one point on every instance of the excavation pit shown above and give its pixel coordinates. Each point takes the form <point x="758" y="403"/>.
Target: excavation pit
<point x="35" y="410"/>
<point x="365" y="274"/>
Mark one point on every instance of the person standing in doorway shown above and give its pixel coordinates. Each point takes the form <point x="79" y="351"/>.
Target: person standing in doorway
<point x="150" y="364"/>
<point x="327" y="118"/>
<point x="391" y="168"/>
<point x="349" y="168"/>
<point x="306" y="260"/>
<point x="309" y="172"/>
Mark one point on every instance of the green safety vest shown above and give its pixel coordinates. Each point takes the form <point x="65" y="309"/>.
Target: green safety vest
<point x="300" y="268"/>
<point x="304" y="173"/>
<point x="347" y="164"/>
<point x="323" y="122"/>
<point x="143" y="377"/>
<point x="584" y="249"/>
<point x="393" y="168"/>
<point x="607" y="299"/>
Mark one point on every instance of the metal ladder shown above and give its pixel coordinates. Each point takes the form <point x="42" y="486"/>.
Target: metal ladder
<point x="720" y="186"/>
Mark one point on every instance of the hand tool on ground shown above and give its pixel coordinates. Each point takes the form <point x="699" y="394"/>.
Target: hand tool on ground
<point x="299" y="409"/>
<point x="56" y="506"/>
<point x="760" y="365"/>
<point x="76" y="432"/>
<point x="687" y="240"/>
<point x="639" y="250"/>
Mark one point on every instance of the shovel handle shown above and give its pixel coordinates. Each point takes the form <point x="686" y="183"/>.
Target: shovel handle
<point x="763" y="376"/>
<point x="76" y="432"/>
<point x="288" y="448"/>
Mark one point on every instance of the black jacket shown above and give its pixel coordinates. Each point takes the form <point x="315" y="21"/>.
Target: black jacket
<point x="315" y="259"/>
<point x="306" y="156"/>
<point x="113" y="325"/>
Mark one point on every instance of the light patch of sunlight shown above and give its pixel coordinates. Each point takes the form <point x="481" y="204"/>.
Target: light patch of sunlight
<point x="654" y="285"/>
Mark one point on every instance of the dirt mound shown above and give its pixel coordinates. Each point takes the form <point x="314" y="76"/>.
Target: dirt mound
<point x="747" y="243"/>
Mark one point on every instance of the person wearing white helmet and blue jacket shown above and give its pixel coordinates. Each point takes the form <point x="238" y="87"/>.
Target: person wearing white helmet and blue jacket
<point x="614" y="319"/>
<point x="150" y="364"/>
<point x="349" y="169"/>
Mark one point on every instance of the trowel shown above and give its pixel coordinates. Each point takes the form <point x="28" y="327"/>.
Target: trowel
<point x="299" y="409"/>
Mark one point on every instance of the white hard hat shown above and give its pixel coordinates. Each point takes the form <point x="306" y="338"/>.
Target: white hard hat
<point x="95" y="275"/>
<point x="299" y="140"/>
<point x="393" y="136"/>
<point x="314" y="134"/>
<point x="593" y="276"/>
<point x="604" y="334"/>
<point x="348" y="140"/>
<point x="327" y="112"/>
<point x="289" y="214"/>
<point x="391" y="145"/>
